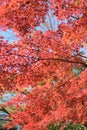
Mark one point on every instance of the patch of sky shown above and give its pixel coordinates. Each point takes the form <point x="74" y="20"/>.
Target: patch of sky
<point x="9" y="35"/>
<point x="84" y="53"/>
<point x="7" y="96"/>
<point x="50" y="23"/>
<point x="74" y="17"/>
<point x="50" y="50"/>
<point x="77" y="71"/>
<point x="83" y="50"/>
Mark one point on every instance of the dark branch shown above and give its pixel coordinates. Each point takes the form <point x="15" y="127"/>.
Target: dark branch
<point x="75" y="17"/>
<point x="65" y="60"/>
<point x="82" y="56"/>
<point x="4" y="110"/>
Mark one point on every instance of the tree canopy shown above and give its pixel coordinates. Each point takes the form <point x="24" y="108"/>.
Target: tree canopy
<point x="49" y="61"/>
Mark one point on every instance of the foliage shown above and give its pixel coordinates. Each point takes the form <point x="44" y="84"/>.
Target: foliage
<point x="69" y="126"/>
<point x="45" y="60"/>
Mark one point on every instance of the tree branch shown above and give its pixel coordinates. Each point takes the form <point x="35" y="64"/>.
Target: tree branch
<point x="82" y="56"/>
<point x="65" y="60"/>
<point x="4" y="110"/>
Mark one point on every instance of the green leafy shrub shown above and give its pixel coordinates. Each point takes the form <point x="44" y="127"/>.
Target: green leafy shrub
<point x="69" y="126"/>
